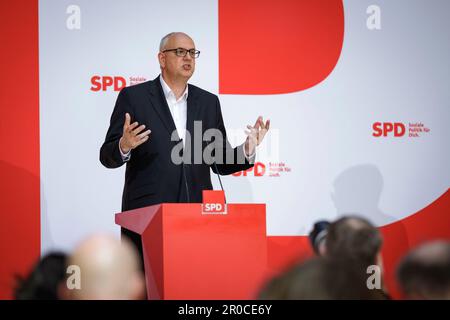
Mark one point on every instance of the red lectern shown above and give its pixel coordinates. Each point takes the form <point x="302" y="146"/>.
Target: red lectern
<point x="190" y="253"/>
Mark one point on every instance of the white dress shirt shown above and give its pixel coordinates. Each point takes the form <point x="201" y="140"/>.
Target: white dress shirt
<point x="178" y="108"/>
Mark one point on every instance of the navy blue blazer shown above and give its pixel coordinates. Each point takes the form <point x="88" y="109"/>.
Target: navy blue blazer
<point x="151" y="177"/>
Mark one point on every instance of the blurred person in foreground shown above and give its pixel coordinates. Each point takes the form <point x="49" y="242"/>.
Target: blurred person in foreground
<point x="355" y="239"/>
<point x="424" y="273"/>
<point x="346" y="248"/>
<point x="109" y="269"/>
<point x="43" y="281"/>
<point x="358" y="242"/>
<point x="320" y="278"/>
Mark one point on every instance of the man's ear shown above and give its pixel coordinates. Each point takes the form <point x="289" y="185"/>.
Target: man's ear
<point x="162" y="60"/>
<point x="323" y="248"/>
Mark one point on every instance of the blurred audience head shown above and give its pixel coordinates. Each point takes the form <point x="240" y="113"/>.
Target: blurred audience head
<point x="354" y="239"/>
<point x="317" y="237"/>
<point x="425" y="272"/>
<point x="42" y="283"/>
<point x="320" y="278"/>
<point x="109" y="270"/>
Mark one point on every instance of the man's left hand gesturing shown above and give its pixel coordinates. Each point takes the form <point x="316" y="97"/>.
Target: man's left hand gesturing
<point x="255" y="135"/>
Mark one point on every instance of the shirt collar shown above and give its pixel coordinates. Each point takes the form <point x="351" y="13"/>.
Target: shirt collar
<point x="168" y="92"/>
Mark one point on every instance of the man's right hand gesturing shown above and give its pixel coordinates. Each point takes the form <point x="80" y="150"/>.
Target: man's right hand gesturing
<point x="133" y="136"/>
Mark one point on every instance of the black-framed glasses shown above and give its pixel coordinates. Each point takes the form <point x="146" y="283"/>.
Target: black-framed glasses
<point x="182" y="52"/>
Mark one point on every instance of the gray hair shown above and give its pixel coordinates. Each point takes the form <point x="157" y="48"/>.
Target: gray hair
<point x="165" y="39"/>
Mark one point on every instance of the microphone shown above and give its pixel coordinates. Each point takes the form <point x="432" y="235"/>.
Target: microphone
<point x="220" y="181"/>
<point x="184" y="175"/>
<point x="185" y="183"/>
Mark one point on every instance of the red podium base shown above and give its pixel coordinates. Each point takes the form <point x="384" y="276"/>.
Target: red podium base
<point x="189" y="254"/>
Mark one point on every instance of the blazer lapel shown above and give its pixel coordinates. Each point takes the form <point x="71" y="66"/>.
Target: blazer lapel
<point x="159" y="103"/>
<point x="193" y="109"/>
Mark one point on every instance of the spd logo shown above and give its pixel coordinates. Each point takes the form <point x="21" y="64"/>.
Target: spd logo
<point x="396" y="129"/>
<point x="214" y="202"/>
<point x="104" y="82"/>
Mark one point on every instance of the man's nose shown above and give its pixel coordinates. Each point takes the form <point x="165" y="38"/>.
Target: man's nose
<point x="187" y="57"/>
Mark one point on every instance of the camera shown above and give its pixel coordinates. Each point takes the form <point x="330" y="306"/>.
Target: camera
<point x="318" y="235"/>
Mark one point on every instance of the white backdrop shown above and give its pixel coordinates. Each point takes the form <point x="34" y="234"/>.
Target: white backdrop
<point x="400" y="73"/>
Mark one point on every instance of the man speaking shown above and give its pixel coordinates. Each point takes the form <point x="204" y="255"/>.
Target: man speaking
<point x="157" y="122"/>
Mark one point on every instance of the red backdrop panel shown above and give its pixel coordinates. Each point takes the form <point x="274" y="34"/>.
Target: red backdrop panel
<point x="19" y="141"/>
<point x="267" y="47"/>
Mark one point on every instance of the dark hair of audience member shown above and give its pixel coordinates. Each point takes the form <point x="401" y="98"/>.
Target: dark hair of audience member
<point x="42" y="283"/>
<point x="354" y="239"/>
<point x="425" y="272"/>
